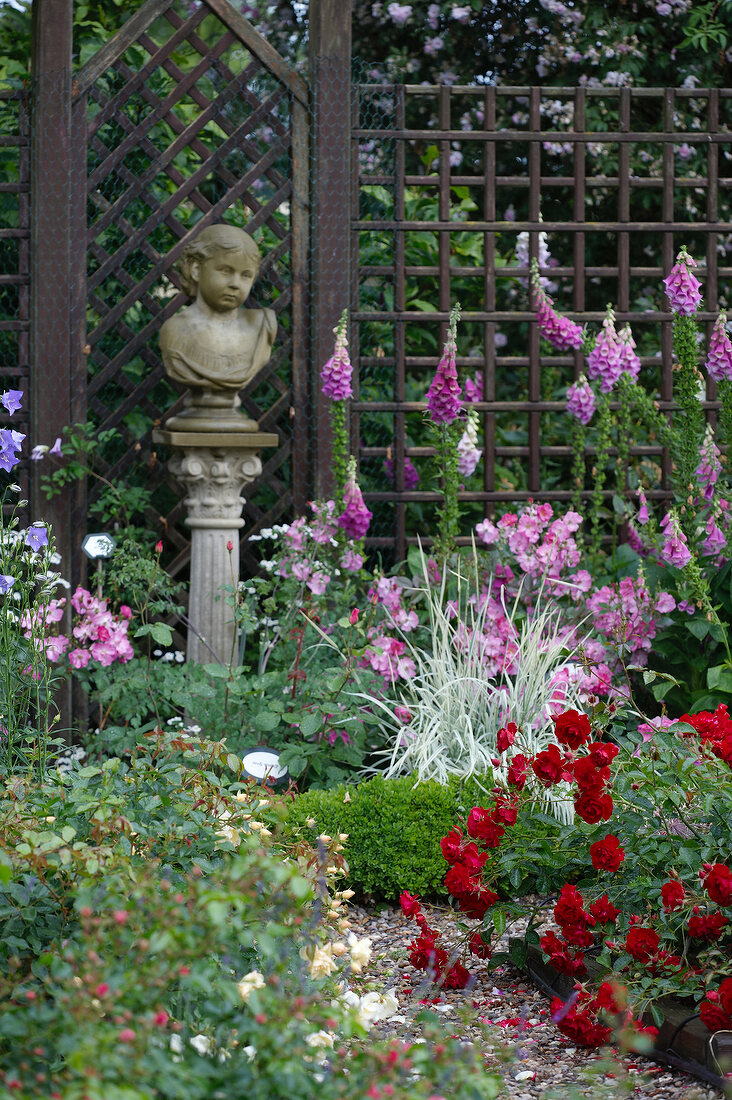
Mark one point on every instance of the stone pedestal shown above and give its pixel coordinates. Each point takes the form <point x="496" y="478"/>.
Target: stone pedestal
<point x="215" y="468"/>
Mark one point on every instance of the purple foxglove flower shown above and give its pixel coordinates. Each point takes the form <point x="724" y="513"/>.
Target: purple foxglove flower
<point x="444" y="395"/>
<point x="474" y="388"/>
<point x="11" y="400"/>
<point x="6" y="583"/>
<point x="708" y="471"/>
<point x="682" y="288"/>
<point x="605" y="361"/>
<point x="581" y="400"/>
<point x="675" y="550"/>
<point x="411" y="477"/>
<point x="716" y="540"/>
<point x="635" y="542"/>
<point x="355" y="517"/>
<point x="719" y="356"/>
<point x="337" y="373"/>
<point x="643" y="513"/>
<point x="561" y="333"/>
<point x="630" y="363"/>
<point x="36" y="536"/>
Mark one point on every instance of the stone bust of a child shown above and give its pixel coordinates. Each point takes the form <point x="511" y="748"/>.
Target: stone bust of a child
<point x="213" y="344"/>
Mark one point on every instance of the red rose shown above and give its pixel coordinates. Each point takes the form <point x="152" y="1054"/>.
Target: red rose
<point x="517" y="771"/>
<point x="725" y="995"/>
<point x="592" y="807"/>
<point x="569" y="909"/>
<point x="641" y="943"/>
<point x="672" y="895"/>
<point x="479" y="947"/>
<point x="612" y="997"/>
<point x="577" y="935"/>
<point x="707" y="928"/>
<point x="476" y="903"/>
<point x="505" y="812"/>
<point x="571" y="729"/>
<point x="563" y="961"/>
<point x="482" y="826"/>
<point x="602" y="753"/>
<point x="451" y="845"/>
<point x="714" y="1017"/>
<point x="548" y="766"/>
<point x="473" y="859"/>
<point x="607" y="854"/>
<point x="718" y="884"/>
<point x="588" y="777"/>
<point x="410" y="905"/>
<point x="457" y="880"/>
<point x="506" y="736"/>
<point x="604" y="911"/>
<point x="457" y="977"/>
<point x="579" y="1026"/>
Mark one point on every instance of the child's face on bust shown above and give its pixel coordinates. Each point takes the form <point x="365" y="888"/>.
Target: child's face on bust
<point x="225" y="279"/>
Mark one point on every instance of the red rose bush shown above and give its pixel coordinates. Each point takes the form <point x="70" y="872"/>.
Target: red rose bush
<point x="642" y="875"/>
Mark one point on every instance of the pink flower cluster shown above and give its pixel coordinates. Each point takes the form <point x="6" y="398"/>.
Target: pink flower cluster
<point x="302" y="540"/>
<point x="543" y="547"/>
<point x="627" y="613"/>
<point x="97" y="636"/>
<point x="384" y="653"/>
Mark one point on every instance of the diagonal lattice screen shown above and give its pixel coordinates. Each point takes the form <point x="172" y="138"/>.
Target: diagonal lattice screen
<point x="186" y="126"/>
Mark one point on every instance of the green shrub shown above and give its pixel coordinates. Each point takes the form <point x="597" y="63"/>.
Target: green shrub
<point x="394" y="828"/>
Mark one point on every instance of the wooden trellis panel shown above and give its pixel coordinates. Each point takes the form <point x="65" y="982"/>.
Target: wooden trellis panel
<point x="617" y="178"/>
<point x="191" y="118"/>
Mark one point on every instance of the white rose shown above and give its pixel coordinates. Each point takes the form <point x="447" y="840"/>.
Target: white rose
<point x="253" y="980"/>
<point x="377" y="1006"/>
<point x="360" y="952"/>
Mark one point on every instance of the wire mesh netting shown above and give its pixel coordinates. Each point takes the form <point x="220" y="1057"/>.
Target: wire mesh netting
<point x="14" y="262"/>
<point x="458" y="189"/>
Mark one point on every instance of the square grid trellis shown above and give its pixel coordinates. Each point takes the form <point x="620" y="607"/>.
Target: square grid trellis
<point x="15" y="268"/>
<point x="445" y="180"/>
<point x="187" y="126"/>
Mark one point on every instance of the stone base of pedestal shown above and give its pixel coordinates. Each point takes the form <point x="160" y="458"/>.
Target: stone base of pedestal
<point x="214" y="467"/>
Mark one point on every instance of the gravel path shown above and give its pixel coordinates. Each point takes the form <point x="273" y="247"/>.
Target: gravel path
<point x="504" y="1009"/>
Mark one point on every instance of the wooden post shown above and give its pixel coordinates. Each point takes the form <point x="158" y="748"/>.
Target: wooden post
<point x="330" y="74"/>
<point x="52" y="320"/>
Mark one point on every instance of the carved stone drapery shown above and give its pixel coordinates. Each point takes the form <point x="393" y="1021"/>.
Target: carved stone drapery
<point x="215" y="468"/>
